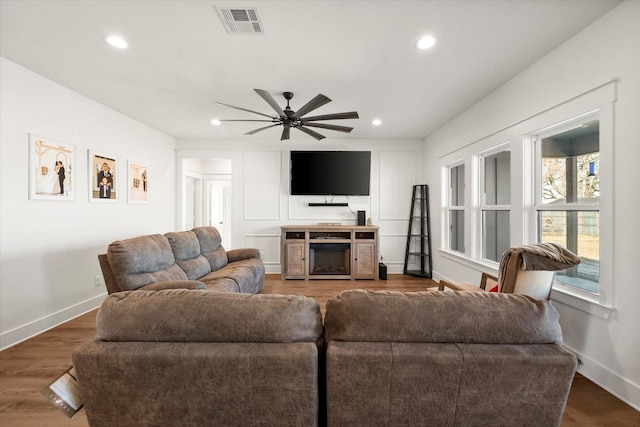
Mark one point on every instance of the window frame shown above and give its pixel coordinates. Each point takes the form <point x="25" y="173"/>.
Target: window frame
<point x="449" y="207"/>
<point x="597" y="304"/>
<point x="480" y="202"/>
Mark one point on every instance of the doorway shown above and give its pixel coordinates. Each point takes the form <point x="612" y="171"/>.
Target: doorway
<point x="208" y="197"/>
<point x="192" y="202"/>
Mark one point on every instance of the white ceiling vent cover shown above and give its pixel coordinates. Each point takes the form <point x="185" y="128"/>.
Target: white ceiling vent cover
<point x="245" y="20"/>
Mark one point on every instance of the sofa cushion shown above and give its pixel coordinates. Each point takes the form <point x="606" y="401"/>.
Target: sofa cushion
<point x="211" y="246"/>
<point x="143" y="260"/>
<point x="186" y="250"/>
<point x="248" y="275"/>
<point x="204" y="316"/>
<point x="220" y="284"/>
<point x="175" y="284"/>
<point x="441" y="317"/>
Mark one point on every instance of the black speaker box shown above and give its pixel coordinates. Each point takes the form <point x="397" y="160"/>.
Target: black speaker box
<point x="362" y="220"/>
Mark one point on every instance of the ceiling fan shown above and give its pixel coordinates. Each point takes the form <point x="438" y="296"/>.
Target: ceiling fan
<point x="288" y="118"/>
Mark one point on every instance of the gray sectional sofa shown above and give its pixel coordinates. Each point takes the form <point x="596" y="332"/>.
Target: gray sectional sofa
<point x="202" y="358"/>
<point x="192" y="259"/>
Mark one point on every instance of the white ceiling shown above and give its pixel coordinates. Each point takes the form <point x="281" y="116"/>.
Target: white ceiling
<point x="358" y="53"/>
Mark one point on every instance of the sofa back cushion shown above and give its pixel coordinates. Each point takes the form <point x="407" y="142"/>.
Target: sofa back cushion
<point x="143" y="260"/>
<point x="205" y="316"/>
<point x="211" y="247"/>
<point x="186" y="250"/>
<point x="441" y="317"/>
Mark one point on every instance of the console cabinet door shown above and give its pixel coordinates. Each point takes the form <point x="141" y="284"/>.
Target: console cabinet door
<point x="364" y="260"/>
<point x="294" y="260"/>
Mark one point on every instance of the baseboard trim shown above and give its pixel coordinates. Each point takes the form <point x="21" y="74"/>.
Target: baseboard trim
<point x="29" y="330"/>
<point x="613" y="383"/>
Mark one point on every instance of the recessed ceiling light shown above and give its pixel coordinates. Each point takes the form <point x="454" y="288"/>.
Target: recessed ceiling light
<point x="376" y="122"/>
<point x="116" y="41"/>
<point x="425" y="42"/>
<point x="215" y="122"/>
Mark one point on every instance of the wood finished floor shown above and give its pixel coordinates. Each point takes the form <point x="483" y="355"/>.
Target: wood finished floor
<point x="28" y="367"/>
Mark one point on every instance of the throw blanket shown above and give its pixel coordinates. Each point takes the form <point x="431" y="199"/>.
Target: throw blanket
<point x="538" y="256"/>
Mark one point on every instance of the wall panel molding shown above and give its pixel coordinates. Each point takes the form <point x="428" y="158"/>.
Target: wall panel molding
<point x="398" y="172"/>
<point x="262" y="185"/>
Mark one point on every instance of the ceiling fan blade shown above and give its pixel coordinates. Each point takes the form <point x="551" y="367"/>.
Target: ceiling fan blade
<point x="327" y="126"/>
<point x="285" y="132"/>
<point x="267" y="97"/>
<point x="335" y="116"/>
<point x="316" y="102"/>
<point x="314" y="134"/>
<point x="247" y="120"/>
<point x="261" y="129"/>
<point x="243" y="109"/>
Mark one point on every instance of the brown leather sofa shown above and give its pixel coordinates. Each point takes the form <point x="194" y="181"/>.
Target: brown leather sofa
<point x="202" y="358"/>
<point x="444" y="359"/>
<point x="192" y="259"/>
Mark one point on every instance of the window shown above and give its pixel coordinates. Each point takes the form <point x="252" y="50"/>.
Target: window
<point x="568" y="197"/>
<point x="495" y="201"/>
<point x="456" y="208"/>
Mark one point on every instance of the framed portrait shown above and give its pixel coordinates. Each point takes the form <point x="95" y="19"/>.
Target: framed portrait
<point x="103" y="178"/>
<point x="137" y="185"/>
<point x="51" y="169"/>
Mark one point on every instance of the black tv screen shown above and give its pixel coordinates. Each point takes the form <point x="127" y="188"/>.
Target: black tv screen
<point x="335" y="173"/>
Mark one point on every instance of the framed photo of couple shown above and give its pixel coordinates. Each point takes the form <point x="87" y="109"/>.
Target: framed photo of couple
<point x="51" y="169"/>
<point x="138" y="190"/>
<point x="103" y="178"/>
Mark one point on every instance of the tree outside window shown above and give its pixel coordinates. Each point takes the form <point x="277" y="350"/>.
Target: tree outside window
<point x="569" y="197"/>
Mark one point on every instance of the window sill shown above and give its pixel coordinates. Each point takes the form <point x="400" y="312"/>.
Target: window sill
<point x="483" y="266"/>
<point x="560" y="294"/>
<point x="581" y="302"/>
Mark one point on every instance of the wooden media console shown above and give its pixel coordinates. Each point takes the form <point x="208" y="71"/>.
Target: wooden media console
<point x="329" y="252"/>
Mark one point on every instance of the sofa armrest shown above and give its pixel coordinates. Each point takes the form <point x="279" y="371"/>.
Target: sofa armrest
<point x="243" y="253"/>
<point x="107" y="274"/>
<point x="174" y="284"/>
<point x="461" y="286"/>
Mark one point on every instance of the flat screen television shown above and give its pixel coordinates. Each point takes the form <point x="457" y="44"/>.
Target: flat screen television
<point x="330" y="173"/>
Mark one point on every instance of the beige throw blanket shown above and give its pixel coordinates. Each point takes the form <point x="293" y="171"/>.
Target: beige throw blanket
<point x="537" y="256"/>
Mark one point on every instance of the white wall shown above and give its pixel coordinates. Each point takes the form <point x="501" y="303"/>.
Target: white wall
<point x="262" y="204"/>
<point x="608" y="48"/>
<point x="48" y="249"/>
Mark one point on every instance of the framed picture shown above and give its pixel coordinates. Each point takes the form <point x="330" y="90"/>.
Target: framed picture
<point x="103" y="177"/>
<point x="51" y="169"/>
<point x="138" y="183"/>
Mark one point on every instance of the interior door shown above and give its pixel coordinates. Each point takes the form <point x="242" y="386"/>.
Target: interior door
<point x="192" y="200"/>
<point x="219" y="207"/>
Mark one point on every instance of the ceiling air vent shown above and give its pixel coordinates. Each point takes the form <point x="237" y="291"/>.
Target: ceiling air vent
<point x="245" y="20"/>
